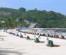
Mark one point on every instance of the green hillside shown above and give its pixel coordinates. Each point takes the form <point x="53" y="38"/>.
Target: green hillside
<point x="45" y="19"/>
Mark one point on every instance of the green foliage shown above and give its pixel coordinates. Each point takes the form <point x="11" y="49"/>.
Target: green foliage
<point x="44" y="19"/>
<point x="22" y="9"/>
<point x="10" y="23"/>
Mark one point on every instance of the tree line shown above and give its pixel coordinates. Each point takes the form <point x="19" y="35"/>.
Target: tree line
<point x="45" y="19"/>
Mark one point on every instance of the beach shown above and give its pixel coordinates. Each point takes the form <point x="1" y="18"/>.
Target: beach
<point x="14" y="45"/>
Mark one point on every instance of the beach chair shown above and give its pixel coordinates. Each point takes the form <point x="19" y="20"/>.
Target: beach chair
<point x="62" y="37"/>
<point x="50" y="43"/>
<point x="21" y="36"/>
<point x="17" y="35"/>
<point x="28" y="38"/>
<point x="37" y="40"/>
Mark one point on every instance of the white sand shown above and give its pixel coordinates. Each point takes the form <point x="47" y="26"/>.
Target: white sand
<point x="13" y="45"/>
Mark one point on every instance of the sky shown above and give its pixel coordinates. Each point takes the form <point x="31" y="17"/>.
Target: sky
<point x="48" y="5"/>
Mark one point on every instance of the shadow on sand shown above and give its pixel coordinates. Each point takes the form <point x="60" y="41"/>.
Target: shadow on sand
<point x="55" y="45"/>
<point x="7" y="52"/>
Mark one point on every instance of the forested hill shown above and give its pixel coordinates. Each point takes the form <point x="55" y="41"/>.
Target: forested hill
<point x="45" y="19"/>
